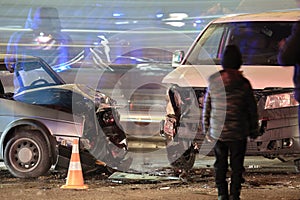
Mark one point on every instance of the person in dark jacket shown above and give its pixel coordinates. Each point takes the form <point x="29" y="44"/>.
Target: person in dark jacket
<point x="229" y="117"/>
<point x="289" y="55"/>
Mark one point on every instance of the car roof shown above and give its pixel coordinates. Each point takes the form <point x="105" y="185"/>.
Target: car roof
<point x="290" y="15"/>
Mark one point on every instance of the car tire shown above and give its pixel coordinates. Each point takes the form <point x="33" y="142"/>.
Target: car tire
<point x="27" y="155"/>
<point x="185" y="161"/>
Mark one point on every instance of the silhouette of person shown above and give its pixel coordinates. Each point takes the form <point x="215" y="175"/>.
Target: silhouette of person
<point x="241" y="121"/>
<point x="45" y="40"/>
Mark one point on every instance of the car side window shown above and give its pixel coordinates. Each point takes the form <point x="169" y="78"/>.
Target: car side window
<point x="258" y="41"/>
<point x="212" y="44"/>
<point x="208" y="48"/>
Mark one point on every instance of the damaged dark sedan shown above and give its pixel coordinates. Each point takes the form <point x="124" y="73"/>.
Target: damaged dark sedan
<point x="40" y="118"/>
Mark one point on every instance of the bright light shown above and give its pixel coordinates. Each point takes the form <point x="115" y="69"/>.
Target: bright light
<point x="117" y="14"/>
<point x="121" y="23"/>
<point x="175" y="19"/>
<point x="176" y="24"/>
<point x="159" y="15"/>
<point x="177" y="16"/>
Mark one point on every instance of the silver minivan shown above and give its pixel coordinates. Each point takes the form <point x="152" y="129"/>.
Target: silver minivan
<point x="258" y="36"/>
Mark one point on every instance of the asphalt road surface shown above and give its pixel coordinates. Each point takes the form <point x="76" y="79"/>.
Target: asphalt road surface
<point x="265" y="179"/>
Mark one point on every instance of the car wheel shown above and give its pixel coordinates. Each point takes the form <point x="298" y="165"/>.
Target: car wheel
<point x="26" y="155"/>
<point x="184" y="161"/>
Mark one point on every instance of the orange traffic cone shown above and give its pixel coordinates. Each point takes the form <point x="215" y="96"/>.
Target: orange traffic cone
<point x="75" y="177"/>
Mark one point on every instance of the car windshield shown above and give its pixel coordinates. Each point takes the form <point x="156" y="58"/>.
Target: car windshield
<point x="258" y="42"/>
<point x="34" y="74"/>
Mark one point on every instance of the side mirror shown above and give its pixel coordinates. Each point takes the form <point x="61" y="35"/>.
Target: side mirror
<point x="177" y="58"/>
<point x="10" y="62"/>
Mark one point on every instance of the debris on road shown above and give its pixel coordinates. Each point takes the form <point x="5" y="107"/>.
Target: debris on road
<point x="131" y="177"/>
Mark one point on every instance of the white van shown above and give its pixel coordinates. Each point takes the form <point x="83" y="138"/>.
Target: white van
<point x="258" y="36"/>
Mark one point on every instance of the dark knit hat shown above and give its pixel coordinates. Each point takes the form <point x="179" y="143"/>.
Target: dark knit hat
<point x="232" y="57"/>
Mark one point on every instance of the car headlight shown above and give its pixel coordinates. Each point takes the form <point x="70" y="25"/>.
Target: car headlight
<point x="280" y="101"/>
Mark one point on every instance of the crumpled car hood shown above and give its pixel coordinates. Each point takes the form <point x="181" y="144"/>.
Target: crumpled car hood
<point x="61" y="96"/>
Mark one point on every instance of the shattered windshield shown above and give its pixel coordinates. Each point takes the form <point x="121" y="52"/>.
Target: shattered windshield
<point x="258" y="42"/>
<point x="34" y="74"/>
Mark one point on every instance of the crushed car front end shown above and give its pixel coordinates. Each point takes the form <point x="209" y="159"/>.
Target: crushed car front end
<point x="92" y="116"/>
<point x="258" y="36"/>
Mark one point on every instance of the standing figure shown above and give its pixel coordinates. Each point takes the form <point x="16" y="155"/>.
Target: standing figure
<point x="44" y="38"/>
<point x="229" y="117"/>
